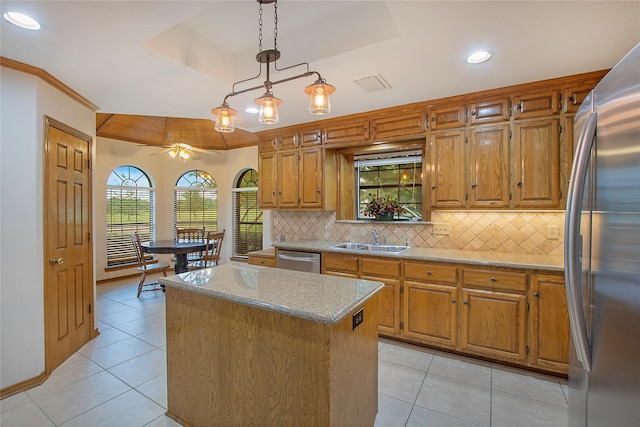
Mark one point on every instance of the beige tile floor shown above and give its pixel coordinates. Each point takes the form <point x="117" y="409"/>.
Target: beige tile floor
<point x="119" y="379"/>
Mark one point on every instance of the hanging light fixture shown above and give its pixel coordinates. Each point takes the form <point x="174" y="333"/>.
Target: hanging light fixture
<point x="319" y="92"/>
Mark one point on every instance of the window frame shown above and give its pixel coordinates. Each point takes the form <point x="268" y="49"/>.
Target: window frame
<point x="196" y="186"/>
<point x="236" y="193"/>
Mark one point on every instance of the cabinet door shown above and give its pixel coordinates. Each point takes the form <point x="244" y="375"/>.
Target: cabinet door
<point x="573" y="97"/>
<point x="493" y="324"/>
<point x="388" y="305"/>
<point x="489" y="166"/>
<point x="311" y="177"/>
<point x="347" y="132"/>
<point x="309" y="137"/>
<point x="537" y="164"/>
<point x="288" y="140"/>
<point x="398" y="125"/>
<point x="288" y="179"/>
<point x="267" y="144"/>
<point x="430" y="313"/>
<point x="549" y="324"/>
<point x="448" y="117"/>
<point x="268" y="179"/>
<point x="343" y="264"/>
<point x="496" y="110"/>
<point x="447" y="169"/>
<point x="539" y="104"/>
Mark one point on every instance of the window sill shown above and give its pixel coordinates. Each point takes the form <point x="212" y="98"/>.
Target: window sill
<point x="373" y="221"/>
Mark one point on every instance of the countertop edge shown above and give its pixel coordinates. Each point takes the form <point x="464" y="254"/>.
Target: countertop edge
<point x="491" y="259"/>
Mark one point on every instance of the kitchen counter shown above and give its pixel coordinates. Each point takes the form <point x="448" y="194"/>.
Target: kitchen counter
<point x="321" y="298"/>
<point x="483" y="258"/>
<point x="250" y="345"/>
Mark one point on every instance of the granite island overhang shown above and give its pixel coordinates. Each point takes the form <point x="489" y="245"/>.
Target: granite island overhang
<point x="251" y="345"/>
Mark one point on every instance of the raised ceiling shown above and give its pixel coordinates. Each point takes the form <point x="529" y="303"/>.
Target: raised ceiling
<point x="178" y="59"/>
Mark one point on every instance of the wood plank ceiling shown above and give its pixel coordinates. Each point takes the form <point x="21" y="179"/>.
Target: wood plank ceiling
<point x="162" y="131"/>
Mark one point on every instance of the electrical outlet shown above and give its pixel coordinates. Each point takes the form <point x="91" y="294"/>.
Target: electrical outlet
<point x="442" y="229"/>
<point x="552" y="232"/>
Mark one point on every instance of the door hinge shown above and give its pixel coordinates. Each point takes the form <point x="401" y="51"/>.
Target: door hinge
<point x="510" y="134"/>
<point x="88" y="236"/>
<point x="510" y="195"/>
<point x="466" y="139"/>
<point x="88" y="163"/>
<point x="401" y="325"/>
<point x="402" y="289"/>
<point x="560" y="194"/>
<point x="466" y="196"/>
<point x="527" y="306"/>
<point x="510" y="110"/>
<point x="466" y="115"/>
<point x="559" y="128"/>
<point x="527" y="349"/>
<point x="89" y="309"/>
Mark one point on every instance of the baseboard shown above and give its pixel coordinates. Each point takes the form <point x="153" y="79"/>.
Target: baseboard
<point x="24" y="385"/>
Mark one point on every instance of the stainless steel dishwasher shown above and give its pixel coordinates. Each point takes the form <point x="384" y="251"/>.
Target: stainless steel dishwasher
<point x="299" y="261"/>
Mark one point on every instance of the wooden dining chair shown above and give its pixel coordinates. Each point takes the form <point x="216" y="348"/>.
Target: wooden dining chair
<point x="146" y="268"/>
<point x="211" y="255"/>
<point x="191" y="235"/>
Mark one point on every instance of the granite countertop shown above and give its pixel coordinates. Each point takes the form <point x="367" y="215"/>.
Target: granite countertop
<point x="321" y="298"/>
<point x="482" y="258"/>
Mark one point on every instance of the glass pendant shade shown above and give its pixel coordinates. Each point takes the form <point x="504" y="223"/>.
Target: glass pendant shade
<point x="225" y="121"/>
<point x="319" y="97"/>
<point x="268" y="104"/>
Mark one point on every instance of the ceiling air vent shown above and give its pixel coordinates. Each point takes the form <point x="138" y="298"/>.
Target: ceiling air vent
<point x="372" y="83"/>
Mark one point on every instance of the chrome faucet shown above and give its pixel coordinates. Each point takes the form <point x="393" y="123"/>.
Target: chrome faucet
<point x="376" y="239"/>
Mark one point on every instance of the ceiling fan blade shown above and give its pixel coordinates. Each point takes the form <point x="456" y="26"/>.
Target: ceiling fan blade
<point x="166" y="150"/>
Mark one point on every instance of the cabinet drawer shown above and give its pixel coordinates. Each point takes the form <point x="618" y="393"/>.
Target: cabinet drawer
<point x="344" y="263"/>
<point x="495" y="279"/>
<point x="380" y="267"/>
<point x="262" y="260"/>
<point x="430" y="273"/>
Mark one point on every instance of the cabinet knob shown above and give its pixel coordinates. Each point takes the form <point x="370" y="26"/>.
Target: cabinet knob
<point x="474" y="185"/>
<point x="317" y="191"/>
<point x="473" y="113"/>
<point x="453" y="300"/>
<point x="433" y="119"/>
<point x="536" y="294"/>
<point x="428" y="273"/>
<point x="465" y="302"/>
<point x="493" y="279"/>
<point x="519" y="183"/>
<point x="433" y="187"/>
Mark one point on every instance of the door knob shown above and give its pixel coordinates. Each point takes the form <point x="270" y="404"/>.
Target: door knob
<point x="54" y="261"/>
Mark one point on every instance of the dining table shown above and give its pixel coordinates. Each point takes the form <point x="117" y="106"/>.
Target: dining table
<point x="179" y="248"/>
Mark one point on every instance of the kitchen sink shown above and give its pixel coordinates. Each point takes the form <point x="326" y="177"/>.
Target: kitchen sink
<point x="395" y="249"/>
<point x="353" y="246"/>
<point x="349" y="245"/>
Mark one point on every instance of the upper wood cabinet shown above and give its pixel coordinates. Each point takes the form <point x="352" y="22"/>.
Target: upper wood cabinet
<point x="348" y="132"/>
<point x="293" y="175"/>
<point x="536" y="164"/>
<point x="496" y="110"/>
<point x="539" y="104"/>
<point x="572" y="98"/>
<point x="446" y="155"/>
<point x="407" y="124"/>
<point x="489" y="166"/>
<point x="448" y="117"/>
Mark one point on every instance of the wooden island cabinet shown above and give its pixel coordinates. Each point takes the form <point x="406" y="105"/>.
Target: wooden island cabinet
<point x="262" y="346"/>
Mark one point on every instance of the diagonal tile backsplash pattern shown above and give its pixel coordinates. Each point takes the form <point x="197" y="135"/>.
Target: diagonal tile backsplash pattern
<point x="499" y="231"/>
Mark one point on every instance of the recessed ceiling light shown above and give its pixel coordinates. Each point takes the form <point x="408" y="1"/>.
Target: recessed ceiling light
<point x="22" y="20"/>
<point x="479" y="56"/>
<point x="252" y="110"/>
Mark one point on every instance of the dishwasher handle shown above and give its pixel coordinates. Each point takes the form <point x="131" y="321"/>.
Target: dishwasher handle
<point x="296" y="258"/>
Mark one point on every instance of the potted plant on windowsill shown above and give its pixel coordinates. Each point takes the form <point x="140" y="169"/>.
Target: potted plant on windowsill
<point x="382" y="208"/>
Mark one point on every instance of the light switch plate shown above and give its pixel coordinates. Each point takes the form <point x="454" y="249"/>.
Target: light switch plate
<point x="441" y="229"/>
<point x="553" y="232"/>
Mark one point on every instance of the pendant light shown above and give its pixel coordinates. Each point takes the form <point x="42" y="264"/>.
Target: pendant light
<point x="319" y="92"/>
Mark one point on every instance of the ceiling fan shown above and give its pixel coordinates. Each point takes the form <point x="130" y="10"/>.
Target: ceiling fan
<point x="183" y="150"/>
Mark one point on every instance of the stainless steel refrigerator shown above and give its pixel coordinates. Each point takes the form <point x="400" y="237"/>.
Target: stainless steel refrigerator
<point x="602" y="253"/>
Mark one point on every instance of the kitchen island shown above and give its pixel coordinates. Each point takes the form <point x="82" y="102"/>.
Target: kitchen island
<point x="253" y="345"/>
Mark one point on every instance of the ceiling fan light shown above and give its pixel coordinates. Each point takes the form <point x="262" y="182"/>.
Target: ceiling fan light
<point x="320" y="97"/>
<point x="225" y="121"/>
<point x="268" y="104"/>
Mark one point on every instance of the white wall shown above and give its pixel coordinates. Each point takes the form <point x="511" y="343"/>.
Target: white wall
<point x="164" y="171"/>
<point x="24" y="101"/>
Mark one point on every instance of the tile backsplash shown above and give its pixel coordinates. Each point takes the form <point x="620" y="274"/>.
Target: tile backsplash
<point x="499" y="231"/>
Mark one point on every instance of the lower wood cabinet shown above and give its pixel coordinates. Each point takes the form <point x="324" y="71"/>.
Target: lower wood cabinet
<point x="494" y="324"/>
<point x="549" y="331"/>
<point x="508" y="315"/>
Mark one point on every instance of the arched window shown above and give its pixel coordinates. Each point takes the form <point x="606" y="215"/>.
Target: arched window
<point x="196" y="201"/>
<point x="247" y="216"/>
<point x="130" y="208"/>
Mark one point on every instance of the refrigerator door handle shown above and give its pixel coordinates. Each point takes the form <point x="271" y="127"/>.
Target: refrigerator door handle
<point x="572" y="243"/>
